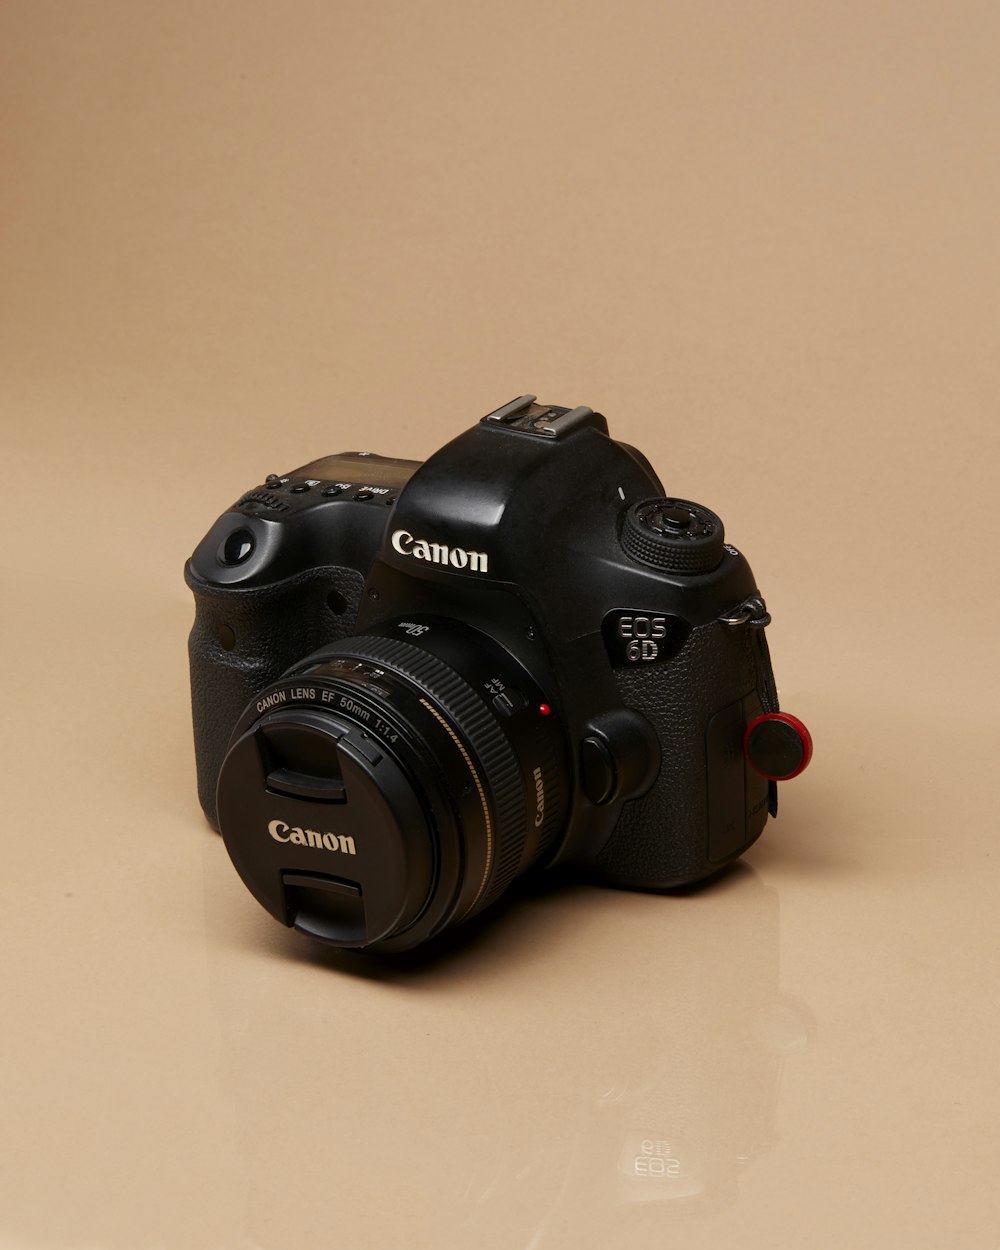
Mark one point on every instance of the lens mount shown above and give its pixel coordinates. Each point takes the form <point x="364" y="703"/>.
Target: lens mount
<point x="382" y="790"/>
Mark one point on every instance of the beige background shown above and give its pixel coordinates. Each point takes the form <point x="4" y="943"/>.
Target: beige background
<point x="763" y="239"/>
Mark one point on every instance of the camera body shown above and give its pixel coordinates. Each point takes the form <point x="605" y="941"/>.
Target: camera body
<point x="589" y="654"/>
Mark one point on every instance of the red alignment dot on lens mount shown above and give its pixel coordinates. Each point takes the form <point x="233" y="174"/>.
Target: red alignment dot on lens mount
<point x="545" y="709"/>
<point x="778" y="746"/>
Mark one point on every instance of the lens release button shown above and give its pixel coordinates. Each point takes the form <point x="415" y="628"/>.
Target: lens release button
<point x="598" y="774"/>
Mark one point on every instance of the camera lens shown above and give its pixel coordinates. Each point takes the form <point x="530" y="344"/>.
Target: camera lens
<point x="385" y="789"/>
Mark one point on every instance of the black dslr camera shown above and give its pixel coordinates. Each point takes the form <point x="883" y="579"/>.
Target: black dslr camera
<point x="413" y="682"/>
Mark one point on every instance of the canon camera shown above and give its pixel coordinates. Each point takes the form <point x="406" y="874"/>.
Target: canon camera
<point x="413" y="682"/>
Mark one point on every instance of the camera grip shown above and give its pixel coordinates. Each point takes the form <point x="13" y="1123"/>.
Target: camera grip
<point x="243" y="639"/>
<point x="706" y="805"/>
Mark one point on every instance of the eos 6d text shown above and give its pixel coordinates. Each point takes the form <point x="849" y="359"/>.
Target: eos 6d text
<point x="641" y="631"/>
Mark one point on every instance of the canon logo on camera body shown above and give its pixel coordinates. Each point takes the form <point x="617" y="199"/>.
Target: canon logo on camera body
<point x="311" y="837"/>
<point x="438" y="553"/>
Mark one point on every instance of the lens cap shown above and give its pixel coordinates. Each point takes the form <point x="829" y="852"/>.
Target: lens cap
<point x="325" y="828"/>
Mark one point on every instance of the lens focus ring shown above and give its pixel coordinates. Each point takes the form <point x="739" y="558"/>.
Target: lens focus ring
<point x="474" y="729"/>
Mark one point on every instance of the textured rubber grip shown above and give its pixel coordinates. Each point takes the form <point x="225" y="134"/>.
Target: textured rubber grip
<point x="662" y="839"/>
<point x="242" y="640"/>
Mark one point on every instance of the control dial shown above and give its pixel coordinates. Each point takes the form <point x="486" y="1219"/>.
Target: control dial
<point x="674" y="535"/>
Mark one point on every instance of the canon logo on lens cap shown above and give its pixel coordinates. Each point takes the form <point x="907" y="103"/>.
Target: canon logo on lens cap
<point x="310" y="837"/>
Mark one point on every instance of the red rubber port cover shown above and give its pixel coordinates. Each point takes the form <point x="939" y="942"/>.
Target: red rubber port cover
<point x="778" y="746"/>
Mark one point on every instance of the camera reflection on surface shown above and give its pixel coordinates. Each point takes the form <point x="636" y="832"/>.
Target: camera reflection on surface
<point x="581" y="1067"/>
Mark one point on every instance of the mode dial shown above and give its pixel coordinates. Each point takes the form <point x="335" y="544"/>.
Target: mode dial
<point x="673" y="534"/>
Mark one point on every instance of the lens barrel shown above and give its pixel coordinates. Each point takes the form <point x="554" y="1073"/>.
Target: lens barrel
<point x="383" y="789"/>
